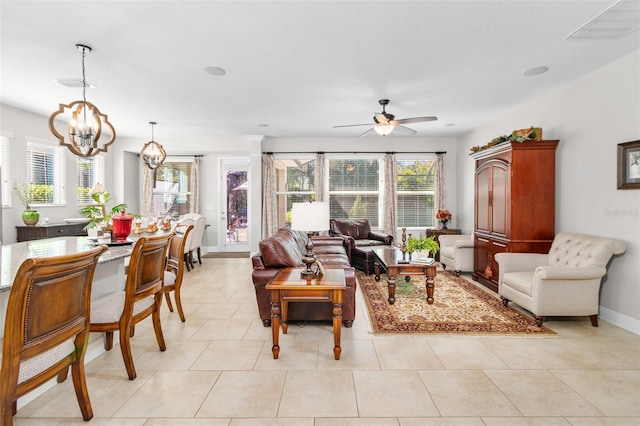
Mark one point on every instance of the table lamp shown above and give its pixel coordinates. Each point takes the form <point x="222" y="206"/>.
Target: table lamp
<point x="310" y="218"/>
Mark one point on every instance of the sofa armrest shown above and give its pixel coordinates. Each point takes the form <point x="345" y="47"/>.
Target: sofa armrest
<point x="520" y="262"/>
<point x="570" y="272"/>
<point x="257" y="263"/>
<point x="449" y="240"/>
<point x="385" y="239"/>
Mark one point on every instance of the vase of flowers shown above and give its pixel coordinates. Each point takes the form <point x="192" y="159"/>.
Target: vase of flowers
<point x="25" y="194"/>
<point x="443" y="217"/>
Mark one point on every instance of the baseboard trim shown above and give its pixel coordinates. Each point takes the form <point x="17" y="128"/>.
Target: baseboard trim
<point x="620" y="320"/>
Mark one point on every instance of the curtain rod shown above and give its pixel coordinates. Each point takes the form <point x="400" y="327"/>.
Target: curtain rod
<point x="354" y="152"/>
<point x="194" y="155"/>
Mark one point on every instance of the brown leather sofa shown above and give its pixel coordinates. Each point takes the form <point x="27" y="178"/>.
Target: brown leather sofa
<point x="285" y="250"/>
<point x="364" y="240"/>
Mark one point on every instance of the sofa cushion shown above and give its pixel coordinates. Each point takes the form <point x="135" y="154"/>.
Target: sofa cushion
<point x="357" y="228"/>
<point x="281" y="250"/>
<point x="367" y="243"/>
<point x="520" y="281"/>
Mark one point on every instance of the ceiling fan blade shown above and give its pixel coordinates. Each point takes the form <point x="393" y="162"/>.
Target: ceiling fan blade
<point x="416" y="120"/>
<point x="352" y="125"/>
<point x="405" y="130"/>
<point x="367" y="132"/>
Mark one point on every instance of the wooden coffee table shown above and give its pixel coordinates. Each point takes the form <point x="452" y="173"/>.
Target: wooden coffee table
<point x="391" y="259"/>
<point x="287" y="286"/>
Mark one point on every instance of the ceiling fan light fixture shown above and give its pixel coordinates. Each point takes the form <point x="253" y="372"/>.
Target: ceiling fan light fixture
<point x="86" y="124"/>
<point x="383" y="129"/>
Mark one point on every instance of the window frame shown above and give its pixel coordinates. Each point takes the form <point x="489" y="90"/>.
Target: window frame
<point x="305" y="195"/>
<point x="186" y="194"/>
<point x="416" y="157"/>
<point x="97" y="175"/>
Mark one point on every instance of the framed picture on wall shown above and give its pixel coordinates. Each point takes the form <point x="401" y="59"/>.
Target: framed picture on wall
<point x="629" y="165"/>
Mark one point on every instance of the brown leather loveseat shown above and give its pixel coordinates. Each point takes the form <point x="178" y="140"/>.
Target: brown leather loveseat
<point x="364" y="240"/>
<point x="285" y="250"/>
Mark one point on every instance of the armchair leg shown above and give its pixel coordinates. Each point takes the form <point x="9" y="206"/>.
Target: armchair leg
<point x="505" y="301"/>
<point x="457" y="273"/>
<point x="594" y="320"/>
<point x="266" y="322"/>
<point x="539" y="320"/>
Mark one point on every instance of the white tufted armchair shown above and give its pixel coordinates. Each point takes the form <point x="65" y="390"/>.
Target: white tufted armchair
<point x="456" y="252"/>
<point x="565" y="282"/>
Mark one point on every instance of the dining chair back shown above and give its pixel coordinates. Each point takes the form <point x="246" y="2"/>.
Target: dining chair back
<point x="47" y="328"/>
<point x="175" y="267"/>
<point x="142" y="297"/>
<point x="188" y="220"/>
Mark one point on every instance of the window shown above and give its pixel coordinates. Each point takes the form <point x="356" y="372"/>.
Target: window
<point x="171" y="192"/>
<point x="295" y="184"/>
<point x="354" y="189"/>
<point x="45" y="173"/>
<point x="89" y="171"/>
<point x="5" y="140"/>
<point x="415" y="192"/>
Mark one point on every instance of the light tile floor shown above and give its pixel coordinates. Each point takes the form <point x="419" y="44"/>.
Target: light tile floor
<point x="218" y="370"/>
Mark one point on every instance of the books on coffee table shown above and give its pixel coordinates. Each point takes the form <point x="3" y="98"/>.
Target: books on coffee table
<point x="427" y="261"/>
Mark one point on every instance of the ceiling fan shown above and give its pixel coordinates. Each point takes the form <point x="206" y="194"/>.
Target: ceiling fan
<point x="385" y="123"/>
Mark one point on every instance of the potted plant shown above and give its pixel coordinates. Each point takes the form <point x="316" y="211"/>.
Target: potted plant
<point x="97" y="213"/>
<point x="423" y="246"/>
<point x="25" y="194"/>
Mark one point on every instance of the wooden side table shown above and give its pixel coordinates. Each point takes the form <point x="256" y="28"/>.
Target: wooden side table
<point x="432" y="232"/>
<point x="288" y="286"/>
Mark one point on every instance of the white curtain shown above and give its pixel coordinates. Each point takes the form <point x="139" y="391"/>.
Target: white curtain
<point x="390" y="195"/>
<point x="321" y="192"/>
<point x="439" y="201"/>
<point x="269" y="202"/>
<point x="194" y="185"/>
<point x="148" y="178"/>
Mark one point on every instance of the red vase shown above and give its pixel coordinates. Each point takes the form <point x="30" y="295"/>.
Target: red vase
<point x="121" y="226"/>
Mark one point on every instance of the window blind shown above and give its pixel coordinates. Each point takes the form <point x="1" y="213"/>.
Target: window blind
<point x="45" y="173"/>
<point x="5" y="161"/>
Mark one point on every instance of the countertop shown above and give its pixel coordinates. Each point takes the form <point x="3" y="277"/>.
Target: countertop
<point x="13" y="255"/>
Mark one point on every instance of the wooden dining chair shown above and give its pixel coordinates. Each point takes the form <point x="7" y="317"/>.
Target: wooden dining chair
<point x="175" y="267"/>
<point x="47" y="328"/>
<point x="142" y="297"/>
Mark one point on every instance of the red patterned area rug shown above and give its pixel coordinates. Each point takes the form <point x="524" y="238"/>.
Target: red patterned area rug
<point x="459" y="307"/>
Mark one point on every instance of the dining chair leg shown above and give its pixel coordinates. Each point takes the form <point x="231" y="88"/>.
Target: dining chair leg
<point x="127" y="357"/>
<point x="157" y="326"/>
<point x="169" y="305"/>
<point x="199" y="258"/>
<point x="80" y="386"/>
<point x="176" y="293"/>
<point x="186" y="261"/>
<point x="108" y="340"/>
<point x="62" y="376"/>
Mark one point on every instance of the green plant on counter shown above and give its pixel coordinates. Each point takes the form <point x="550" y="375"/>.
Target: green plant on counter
<point x="97" y="213"/>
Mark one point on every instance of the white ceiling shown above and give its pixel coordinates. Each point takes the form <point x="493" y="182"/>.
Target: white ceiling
<point x="301" y="67"/>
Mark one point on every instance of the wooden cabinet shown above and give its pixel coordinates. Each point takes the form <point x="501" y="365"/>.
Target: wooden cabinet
<point x="50" y="230"/>
<point x="432" y="232"/>
<point x="514" y="203"/>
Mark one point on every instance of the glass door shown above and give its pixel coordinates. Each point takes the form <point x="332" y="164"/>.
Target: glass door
<point x="235" y="196"/>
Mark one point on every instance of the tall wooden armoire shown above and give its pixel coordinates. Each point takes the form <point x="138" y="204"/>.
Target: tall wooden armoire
<point x="514" y="203"/>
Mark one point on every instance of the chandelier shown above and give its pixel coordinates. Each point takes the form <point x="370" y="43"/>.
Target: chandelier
<point x="89" y="131"/>
<point x="152" y="153"/>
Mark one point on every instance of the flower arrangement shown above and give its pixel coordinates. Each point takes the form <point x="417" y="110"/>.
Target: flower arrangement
<point x="530" y="134"/>
<point x="443" y="217"/>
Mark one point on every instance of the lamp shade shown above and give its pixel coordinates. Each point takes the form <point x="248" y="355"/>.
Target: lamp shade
<point x="310" y="217"/>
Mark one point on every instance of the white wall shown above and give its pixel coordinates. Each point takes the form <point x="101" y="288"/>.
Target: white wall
<point x="589" y="116"/>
